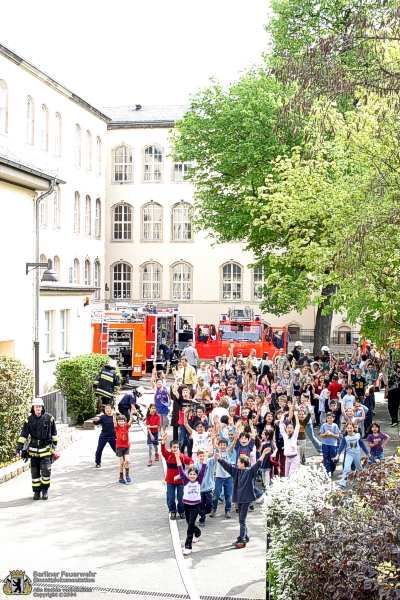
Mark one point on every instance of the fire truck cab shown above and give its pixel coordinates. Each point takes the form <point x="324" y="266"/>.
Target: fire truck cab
<point x="244" y="330"/>
<point x="167" y="327"/>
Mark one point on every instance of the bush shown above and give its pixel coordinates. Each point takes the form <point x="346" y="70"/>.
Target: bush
<point x="16" y="394"/>
<point x="75" y="377"/>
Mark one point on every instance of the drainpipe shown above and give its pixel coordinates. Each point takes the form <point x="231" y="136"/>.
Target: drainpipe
<point x="37" y="287"/>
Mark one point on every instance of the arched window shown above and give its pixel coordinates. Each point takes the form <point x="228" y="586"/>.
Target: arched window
<point x="43" y="258"/>
<point x="122" y="219"/>
<point x="97" y="219"/>
<point x="77" y="212"/>
<point x="151" y="281"/>
<point x="86" y="272"/>
<point x="181" y="171"/>
<point x="153" y="163"/>
<point x="181" y="225"/>
<point x="56" y="207"/>
<point x="152" y="223"/>
<point x="232" y="283"/>
<point x="30" y="120"/>
<point x="44" y="128"/>
<point x="57" y="134"/>
<point x="121" y="281"/>
<point x="57" y="267"/>
<point x="98" y="155"/>
<point x="88" y="161"/>
<point x="123" y="164"/>
<point x="96" y="279"/>
<point x="258" y="284"/>
<point x="3" y="107"/>
<point x="88" y="215"/>
<point x="181" y="282"/>
<point x="76" y="277"/>
<point x="78" y="145"/>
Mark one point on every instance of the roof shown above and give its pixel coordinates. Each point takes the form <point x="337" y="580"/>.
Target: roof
<point x="48" y="80"/>
<point x="146" y="116"/>
<point x="18" y="172"/>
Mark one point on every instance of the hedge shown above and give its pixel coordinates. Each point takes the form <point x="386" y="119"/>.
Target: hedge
<point x="75" y="377"/>
<point x="16" y="394"/>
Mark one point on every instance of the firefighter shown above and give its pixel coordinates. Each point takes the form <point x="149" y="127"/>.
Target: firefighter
<point x="106" y="381"/>
<point x="41" y="428"/>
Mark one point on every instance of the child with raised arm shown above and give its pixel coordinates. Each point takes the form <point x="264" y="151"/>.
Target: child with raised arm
<point x="290" y="435"/>
<point x="242" y="489"/>
<point x="199" y="434"/>
<point x="191" y="499"/>
<point x="353" y="443"/>
<point x="123" y="445"/>
<point x="173" y="478"/>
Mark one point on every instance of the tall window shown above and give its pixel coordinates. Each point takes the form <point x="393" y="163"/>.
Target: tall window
<point x="88" y="161"/>
<point x="181" y="225"/>
<point x="47" y="332"/>
<point x="63" y="331"/>
<point x="232" y="282"/>
<point x="30" y="120"/>
<point x="258" y="284"/>
<point x="56" y="208"/>
<point x="57" y="135"/>
<point x="181" y="171"/>
<point x="96" y="279"/>
<point x="151" y="282"/>
<point x="44" y="128"/>
<point x="98" y="155"/>
<point x="76" y="272"/>
<point x="152" y="223"/>
<point x="123" y="164"/>
<point x="77" y="209"/>
<point x="122" y="222"/>
<point x="78" y="145"/>
<point x="3" y="107"/>
<point x="57" y="267"/>
<point x="97" y="219"/>
<point x="181" y="282"/>
<point x="43" y="258"/>
<point x="43" y="212"/>
<point x="121" y="281"/>
<point x="153" y="158"/>
<point x="86" y="272"/>
<point x="88" y="209"/>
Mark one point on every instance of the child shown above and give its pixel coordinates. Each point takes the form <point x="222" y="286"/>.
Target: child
<point x="267" y="438"/>
<point x="242" y="443"/>
<point x="243" y="489"/>
<point x="353" y="443"/>
<point x="123" y="445"/>
<point x="191" y="499"/>
<point x="162" y="402"/>
<point x="107" y="435"/>
<point x="172" y="477"/>
<point x="329" y="433"/>
<point x="290" y="434"/>
<point x="153" y="422"/>
<point x="280" y="446"/>
<point x="199" y="436"/>
<point x="377" y="441"/>
<point x="348" y="398"/>
<point x="223" y="481"/>
<point x="302" y="440"/>
<point x="207" y="484"/>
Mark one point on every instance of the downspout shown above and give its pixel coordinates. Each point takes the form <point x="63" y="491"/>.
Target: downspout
<point x="37" y="290"/>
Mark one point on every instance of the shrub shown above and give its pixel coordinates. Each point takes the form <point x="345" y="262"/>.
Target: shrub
<point x="16" y="393"/>
<point x="75" y="378"/>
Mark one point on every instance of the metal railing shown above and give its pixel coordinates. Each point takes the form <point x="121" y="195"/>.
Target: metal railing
<point x="56" y="404"/>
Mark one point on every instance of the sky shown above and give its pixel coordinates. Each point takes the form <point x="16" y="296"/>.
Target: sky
<point x="138" y="51"/>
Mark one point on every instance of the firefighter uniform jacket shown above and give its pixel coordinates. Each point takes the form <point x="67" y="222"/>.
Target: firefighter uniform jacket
<point x="43" y="435"/>
<point x="106" y="381"/>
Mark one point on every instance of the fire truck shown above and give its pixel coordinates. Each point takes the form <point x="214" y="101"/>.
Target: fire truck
<point x="240" y="327"/>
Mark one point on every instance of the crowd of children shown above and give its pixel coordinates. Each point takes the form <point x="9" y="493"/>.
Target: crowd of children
<point x="243" y="422"/>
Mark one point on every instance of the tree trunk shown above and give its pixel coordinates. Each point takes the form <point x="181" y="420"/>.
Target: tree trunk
<point x="323" y="323"/>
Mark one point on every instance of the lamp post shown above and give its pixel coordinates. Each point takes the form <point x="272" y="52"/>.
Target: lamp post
<point x="48" y="275"/>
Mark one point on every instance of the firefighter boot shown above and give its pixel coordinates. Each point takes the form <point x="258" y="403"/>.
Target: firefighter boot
<point x="45" y="495"/>
<point x="36" y="496"/>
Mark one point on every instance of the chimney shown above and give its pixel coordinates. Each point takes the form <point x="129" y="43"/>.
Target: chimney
<point x="138" y="106"/>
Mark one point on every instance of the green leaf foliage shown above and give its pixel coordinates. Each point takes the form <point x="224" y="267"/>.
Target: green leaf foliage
<point x="16" y="394"/>
<point x="75" y="377"/>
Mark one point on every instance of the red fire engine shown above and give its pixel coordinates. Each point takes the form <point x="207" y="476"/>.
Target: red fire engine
<point x="241" y="328"/>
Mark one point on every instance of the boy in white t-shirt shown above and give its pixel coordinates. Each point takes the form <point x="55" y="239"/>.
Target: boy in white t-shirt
<point x="215" y="385"/>
<point x="199" y="435"/>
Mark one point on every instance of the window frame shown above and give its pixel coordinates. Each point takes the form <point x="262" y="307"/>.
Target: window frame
<point x="56" y="208"/>
<point x="88" y="151"/>
<point x="254" y="299"/>
<point x="99" y="149"/>
<point x="30" y="121"/>
<point x="86" y="272"/>
<point x="76" y="271"/>
<point x="182" y="283"/>
<point x="154" y="265"/>
<point x="231" y="282"/>
<point x="182" y="205"/>
<point x="48" y="333"/>
<point x="182" y="180"/>
<point x="57" y="266"/>
<point x="44" y="128"/>
<point x="151" y="163"/>
<point x="96" y="279"/>
<point x="76" y="223"/>
<point x="124" y="282"/>
<point x="4" y="108"/>
<point x="151" y="222"/>
<point x="58" y="135"/>
<point x="78" y="146"/>
<point x="43" y="212"/>
<point x="63" y="331"/>
<point x="127" y="165"/>
<point x="87" y="225"/>
<point x="124" y="223"/>
<point x="97" y="219"/>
